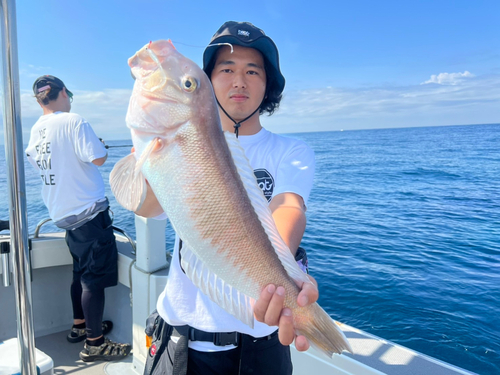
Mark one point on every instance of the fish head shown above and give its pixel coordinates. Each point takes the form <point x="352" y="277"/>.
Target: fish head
<point x="169" y="91"/>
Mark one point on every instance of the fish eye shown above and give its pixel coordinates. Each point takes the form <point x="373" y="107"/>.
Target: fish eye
<point x="189" y="84"/>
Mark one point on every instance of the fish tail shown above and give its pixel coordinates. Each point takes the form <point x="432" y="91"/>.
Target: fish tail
<point x="323" y="333"/>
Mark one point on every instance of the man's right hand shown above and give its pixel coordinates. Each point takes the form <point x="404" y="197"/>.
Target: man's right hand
<point x="269" y="309"/>
<point x="150" y="207"/>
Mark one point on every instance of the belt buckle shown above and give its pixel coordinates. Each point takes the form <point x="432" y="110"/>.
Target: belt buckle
<point x="225" y="338"/>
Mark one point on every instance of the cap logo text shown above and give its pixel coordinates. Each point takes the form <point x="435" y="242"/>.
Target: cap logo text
<point x="244" y="33"/>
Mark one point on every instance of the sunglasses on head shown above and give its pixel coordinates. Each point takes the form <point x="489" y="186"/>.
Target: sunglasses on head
<point x="70" y="94"/>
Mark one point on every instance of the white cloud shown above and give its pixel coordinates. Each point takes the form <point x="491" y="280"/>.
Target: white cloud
<point x="474" y="101"/>
<point x="104" y="110"/>
<point x="448" y="78"/>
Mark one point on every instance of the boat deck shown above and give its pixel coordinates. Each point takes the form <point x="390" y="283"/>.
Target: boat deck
<point x="392" y="359"/>
<point x="374" y="356"/>
<point x="53" y="318"/>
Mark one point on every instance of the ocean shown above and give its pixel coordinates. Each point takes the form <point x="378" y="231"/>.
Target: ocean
<point x="403" y="229"/>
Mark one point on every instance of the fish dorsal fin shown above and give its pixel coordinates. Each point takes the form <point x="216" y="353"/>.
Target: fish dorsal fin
<point x="261" y="207"/>
<point x="230" y="299"/>
<point x="127" y="183"/>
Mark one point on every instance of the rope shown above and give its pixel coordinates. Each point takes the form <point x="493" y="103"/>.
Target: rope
<point x="236" y="123"/>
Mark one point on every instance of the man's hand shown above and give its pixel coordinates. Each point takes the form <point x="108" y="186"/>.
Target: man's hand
<point x="100" y="161"/>
<point x="150" y="207"/>
<point x="269" y="309"/>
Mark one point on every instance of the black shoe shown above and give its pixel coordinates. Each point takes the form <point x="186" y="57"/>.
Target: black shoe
<point x="80" y="334"/>
<point x="108" y="351"/>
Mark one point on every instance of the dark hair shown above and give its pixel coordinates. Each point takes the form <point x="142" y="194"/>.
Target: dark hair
<point x="273" y="94"/>
<point x="48" y="95"/>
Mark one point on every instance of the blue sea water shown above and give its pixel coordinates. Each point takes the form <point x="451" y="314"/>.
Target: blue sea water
<point x="402" y="235"/>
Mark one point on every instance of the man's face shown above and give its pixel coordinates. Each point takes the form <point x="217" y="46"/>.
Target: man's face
<point x="239" y="80"/>
<point x="66" y="100"/>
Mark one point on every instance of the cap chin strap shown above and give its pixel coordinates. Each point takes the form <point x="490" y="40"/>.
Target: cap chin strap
<point x="236" y="123"/>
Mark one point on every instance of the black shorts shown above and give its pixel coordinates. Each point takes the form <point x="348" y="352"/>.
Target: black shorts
<point x="263" y="357"/>
<point x="94" y="252"/>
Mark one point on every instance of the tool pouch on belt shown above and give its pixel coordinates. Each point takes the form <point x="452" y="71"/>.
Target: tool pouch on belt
<point x="159" y="332"/>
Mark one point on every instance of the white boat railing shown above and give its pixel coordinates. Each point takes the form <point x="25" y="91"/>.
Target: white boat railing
<point x="13" y="136"/>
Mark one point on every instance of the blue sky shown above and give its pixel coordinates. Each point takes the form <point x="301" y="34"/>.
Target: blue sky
<point x="348" y="64"/>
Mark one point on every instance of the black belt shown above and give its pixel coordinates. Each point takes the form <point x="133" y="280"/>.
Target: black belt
<point x="217" y="338"/>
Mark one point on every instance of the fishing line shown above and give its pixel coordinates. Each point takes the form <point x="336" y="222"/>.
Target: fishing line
<point x="187" y="45"/>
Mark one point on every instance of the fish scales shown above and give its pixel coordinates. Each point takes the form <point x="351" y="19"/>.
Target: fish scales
<point x="215" y="207"/>
<point x="206" y="186"/>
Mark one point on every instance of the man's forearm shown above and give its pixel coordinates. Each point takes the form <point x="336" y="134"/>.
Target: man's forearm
<point x="100" y="161"/>
<point x="290" y="218"/>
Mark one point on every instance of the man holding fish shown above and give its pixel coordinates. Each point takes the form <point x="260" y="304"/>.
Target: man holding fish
<point x="234" y="251"/>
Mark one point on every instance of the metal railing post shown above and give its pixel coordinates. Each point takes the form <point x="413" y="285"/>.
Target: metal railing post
<point x="17" y="189"/>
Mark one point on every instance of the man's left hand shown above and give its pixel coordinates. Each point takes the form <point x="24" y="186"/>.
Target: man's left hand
<point x="269" y="309"/>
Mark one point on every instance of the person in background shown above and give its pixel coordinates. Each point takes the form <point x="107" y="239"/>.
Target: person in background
<point x="243" y="65"/>
<point x="66" y="152"/>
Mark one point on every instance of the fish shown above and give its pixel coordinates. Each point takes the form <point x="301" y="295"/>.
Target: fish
<point x="206" y="186"/>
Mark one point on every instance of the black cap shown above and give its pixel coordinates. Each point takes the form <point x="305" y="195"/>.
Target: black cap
<point x="44" y="82"/>
<point x="246" y="35"/>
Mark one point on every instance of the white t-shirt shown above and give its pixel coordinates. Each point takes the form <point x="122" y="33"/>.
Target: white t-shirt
<point x="281" y="164"/>
<point x="62" y="147"/>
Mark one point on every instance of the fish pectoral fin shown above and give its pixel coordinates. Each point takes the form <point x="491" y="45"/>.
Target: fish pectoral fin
<point x="154" y="146"/>
<point x="127" y="183"/>
<point x="223" y="294"/>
